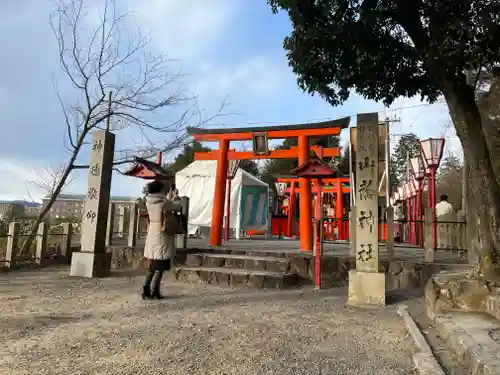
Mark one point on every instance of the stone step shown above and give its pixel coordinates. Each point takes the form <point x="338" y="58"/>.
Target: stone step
<point x="475" y="338"/>
<point x="257" y="252"/>
<point x="236" y="277"/>
<point x="237" y="261"/>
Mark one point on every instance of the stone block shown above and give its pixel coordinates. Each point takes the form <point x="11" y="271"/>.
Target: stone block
<point x="255" y="264"/>
<point x="429" y="254"/>
<point x="206" y="276"/>
<point x="222" y="278"/>
<point x="277" y="266"/>
<point x="239" y="279"/>
<point x="301" y="265"/>
<point x="132" y="225"/>
<point x="257" y="281"/>
<point x="235" y="262"/>
<point x="493" y="306"/>
<point x="273" y="281"/>
<point x="211" y="261"/>
<point x="194" y="260"/>
<point x="12" y="244"/>
<point x="90" y="264"/>
<point x="366" y="288"/>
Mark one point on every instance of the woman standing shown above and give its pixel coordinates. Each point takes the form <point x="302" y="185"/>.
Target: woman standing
<point x="160" y="243"/>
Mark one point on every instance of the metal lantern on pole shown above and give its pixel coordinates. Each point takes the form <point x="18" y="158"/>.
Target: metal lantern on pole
<point x="417" y="167"/>
<point x="401" y="193"/>
<point x="232" y="168"/>
<point x="392" y="200"/>
<point x="280" y="188"/>
<point x="432" y="152"/>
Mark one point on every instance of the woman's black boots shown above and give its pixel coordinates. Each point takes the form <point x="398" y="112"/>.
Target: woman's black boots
<point x="146" y="289"/>
<point x="156" y="286"/>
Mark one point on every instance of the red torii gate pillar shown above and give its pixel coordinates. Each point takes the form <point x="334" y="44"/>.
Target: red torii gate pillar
<point x="291" y="210"/>
<point x="305" y="197"/>
<point x="220" y="194"/>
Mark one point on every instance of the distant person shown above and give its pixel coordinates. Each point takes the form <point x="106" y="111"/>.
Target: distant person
<point x="443" y="207"/>
<point x="159" y="249"/>
<point x="444" y="213"/>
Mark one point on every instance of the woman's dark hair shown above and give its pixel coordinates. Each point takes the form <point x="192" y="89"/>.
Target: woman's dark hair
<point x="444" y="197"/>
<point x="155" y="187"/>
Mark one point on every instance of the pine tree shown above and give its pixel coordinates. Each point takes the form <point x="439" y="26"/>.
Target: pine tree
<point x="408" y="144"/>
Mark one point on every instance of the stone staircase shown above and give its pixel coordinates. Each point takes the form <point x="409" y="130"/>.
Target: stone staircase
<point x="466" y="314"/>
<point x="258" y="269"/>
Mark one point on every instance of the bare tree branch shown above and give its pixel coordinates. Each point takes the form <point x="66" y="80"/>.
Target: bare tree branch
<point x="48" y="179"/>
<point x="110" y="56"/>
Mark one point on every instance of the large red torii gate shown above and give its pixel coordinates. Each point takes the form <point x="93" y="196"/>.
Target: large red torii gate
<point x="302" y="132"/>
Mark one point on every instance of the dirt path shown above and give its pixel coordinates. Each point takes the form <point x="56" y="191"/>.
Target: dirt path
<point x="53" y="324"/>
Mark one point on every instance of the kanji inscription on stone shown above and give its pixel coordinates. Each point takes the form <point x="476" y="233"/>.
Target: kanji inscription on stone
<point x="92" y="194"/>
<point x="367" y="185"/>
<point x="365" y="254"/>
<point x="91" y="215"/>
<point x="95" y="170"/>
<point x="97" y="146"/>
<point x="366" y="220"/>
<point x="366" y="190"/>
<point x="366" y="163"/>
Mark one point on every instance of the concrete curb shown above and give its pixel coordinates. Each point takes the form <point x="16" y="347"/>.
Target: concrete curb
<point x="424" y="360"/>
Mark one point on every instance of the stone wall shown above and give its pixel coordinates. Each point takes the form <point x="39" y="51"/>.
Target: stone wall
<point x="399" y="274"/>
<point x="133" y="257"/>
<point x="455" y="291"/>
<point x="335" y="269"/>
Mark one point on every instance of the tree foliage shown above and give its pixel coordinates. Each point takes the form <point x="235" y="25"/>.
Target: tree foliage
<point x="186" y="157"/>
<point x="408" y="144"/>
<point x="391" y="48"/>
<point x="449" y="180"/>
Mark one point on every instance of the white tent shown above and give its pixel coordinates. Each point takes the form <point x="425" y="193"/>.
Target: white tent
<point x="249" y="197"/>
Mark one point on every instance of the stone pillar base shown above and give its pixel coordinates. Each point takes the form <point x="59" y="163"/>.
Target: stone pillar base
<point x="90" y="265"/>
<point x="429" y="255"/>
<point x="366" y="288"/>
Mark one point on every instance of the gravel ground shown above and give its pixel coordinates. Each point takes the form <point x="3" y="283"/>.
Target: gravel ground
<point x="53" y="324"/>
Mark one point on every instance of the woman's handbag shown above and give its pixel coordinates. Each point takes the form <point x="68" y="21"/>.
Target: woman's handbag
<point x="172" y="225"/>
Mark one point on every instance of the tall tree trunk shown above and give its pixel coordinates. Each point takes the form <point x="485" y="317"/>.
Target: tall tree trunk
<point x="483" y="187"/>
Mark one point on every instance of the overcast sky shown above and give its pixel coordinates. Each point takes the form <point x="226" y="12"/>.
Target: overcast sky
<point x="226" y="48"/>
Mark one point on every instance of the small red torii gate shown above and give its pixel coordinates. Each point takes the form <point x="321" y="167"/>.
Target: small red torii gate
<point x="332" y="184"/>
<point x="302" y="152"/>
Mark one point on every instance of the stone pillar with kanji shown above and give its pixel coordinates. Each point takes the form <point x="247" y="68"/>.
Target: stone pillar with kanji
<point x="92" y="260"/>
<point x="367" y="282"/>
